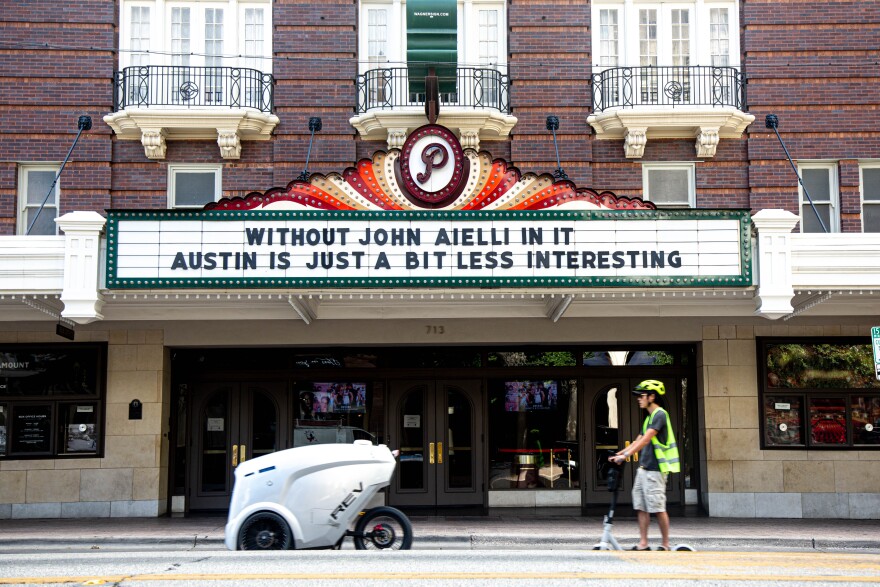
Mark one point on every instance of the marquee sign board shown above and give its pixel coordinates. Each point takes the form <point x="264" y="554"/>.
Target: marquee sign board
<point x="356" y="249"/>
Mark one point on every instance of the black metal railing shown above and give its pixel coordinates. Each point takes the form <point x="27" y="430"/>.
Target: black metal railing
<point x="628" y="87"/>
<point x="386" y="89"/>
<point x="177" y="85"/>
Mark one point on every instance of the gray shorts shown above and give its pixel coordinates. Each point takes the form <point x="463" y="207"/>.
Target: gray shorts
<point x="649" y="491"/>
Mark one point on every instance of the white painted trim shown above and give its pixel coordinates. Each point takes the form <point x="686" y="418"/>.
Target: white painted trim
<point x="182" y="168"/>
<point x="154" y="126"/>
<point x="52" y="203"/>
<point x="833" y="191"/>
<point x="379" y="124"/>
<point x="656" y="122"/>
<point x="863" y="165"/>
<point x="689" y="167"/>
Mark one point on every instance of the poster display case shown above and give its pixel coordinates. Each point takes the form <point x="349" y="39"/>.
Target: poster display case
<point x="31" y="430"/>
<point x="783" y="420"/>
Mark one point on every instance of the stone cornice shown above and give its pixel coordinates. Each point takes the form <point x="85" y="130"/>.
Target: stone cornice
<point x="638" y="125"/>
<point x="154" y="126"/>
<point x="472" y="125"/>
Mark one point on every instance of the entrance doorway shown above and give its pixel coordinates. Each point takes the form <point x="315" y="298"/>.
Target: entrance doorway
<point x="434" y="424"/>
<point x="231" y="423"/>
<point x="613" y="421"/>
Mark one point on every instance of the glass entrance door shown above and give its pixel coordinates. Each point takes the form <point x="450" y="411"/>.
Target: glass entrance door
<point x="613" y="421"/>
<point x="434" y="424"/>
<point x="231" y="423"/>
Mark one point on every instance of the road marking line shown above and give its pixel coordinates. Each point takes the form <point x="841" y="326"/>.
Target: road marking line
<point x="442" y="577"/>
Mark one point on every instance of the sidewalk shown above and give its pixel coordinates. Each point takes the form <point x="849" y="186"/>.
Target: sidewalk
<point x="496" y="530"/>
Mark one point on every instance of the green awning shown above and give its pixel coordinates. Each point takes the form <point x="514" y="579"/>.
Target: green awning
<point x="432" y="41"/>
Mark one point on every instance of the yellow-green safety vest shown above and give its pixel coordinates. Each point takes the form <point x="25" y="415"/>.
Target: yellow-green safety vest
<point x="666" y="454"/>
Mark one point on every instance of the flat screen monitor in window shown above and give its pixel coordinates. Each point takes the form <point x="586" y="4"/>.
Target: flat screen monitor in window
<point x="336" y="398"/>
<point x="530" y="396"/>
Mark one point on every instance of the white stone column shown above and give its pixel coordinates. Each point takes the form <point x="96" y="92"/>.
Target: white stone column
<point x="773" y="258"/>
<point x="82" y="247"/>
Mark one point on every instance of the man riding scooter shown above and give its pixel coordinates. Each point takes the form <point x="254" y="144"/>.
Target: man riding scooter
<point x="658" y="456"/>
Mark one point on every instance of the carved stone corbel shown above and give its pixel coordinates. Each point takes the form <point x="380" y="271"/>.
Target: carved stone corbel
<point x="707" y="142"/>
<point x="229" y="142"/>
<point x="153" y="140"/>
<point x="634" y="142"/>
<point x="396" y="138"/>
<point x="470" y="139"/>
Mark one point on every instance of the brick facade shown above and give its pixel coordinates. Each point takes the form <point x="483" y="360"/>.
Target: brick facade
<point x="812" y="67"/>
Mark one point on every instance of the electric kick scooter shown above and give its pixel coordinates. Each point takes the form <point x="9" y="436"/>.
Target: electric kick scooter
<point x="608" y="542"/>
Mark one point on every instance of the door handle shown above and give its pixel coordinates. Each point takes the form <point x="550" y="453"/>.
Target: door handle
<point x="242" y="453"/>
<point x="234" y="455"/>
<point x="439" y="453"/>
<point x="430" y="453"/>
<point x="636" y="457"/>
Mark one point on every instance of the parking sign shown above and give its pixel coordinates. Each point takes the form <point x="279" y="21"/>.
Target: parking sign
<point x="875" y="339"/>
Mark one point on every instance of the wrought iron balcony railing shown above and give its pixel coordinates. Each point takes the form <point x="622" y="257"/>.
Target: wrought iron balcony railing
<point x="386" y="89"/>
<point x="628" y="87"/>
<point x="177" y="85"/>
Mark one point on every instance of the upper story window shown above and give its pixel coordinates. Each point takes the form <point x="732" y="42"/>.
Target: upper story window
<point x="377" y="36"/>
<point x="37" y="205"/>
<point x="232" y="33"/>
<point x="820" y="181"/>
<point x="630" y="34"/>
<point x="464" y="42"/>
<point x="669" y="185"/>
<point x="481" y="34"/>
<point x="206" y="63"/>
<point x="870" y="188"/>
<point x="194" y="185"/>
<point x="650" y="56"/>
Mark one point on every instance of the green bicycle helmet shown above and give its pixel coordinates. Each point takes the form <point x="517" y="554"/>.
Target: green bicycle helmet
<point x="650" y="386"/>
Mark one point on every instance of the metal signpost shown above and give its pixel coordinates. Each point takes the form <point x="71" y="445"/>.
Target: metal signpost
<point x="875" y="340"/>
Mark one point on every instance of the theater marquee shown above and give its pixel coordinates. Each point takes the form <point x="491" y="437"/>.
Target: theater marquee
<point x="355" y="249"/>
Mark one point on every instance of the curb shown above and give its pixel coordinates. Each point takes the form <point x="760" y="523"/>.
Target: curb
<point x="472" y="540"/>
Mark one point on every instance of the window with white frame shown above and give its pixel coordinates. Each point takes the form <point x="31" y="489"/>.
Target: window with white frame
<point x="870" y="188"/>
<point x="695" y="32"/>
<point x="669" y="185"/>
<point x="377" y="51"/>
<point x="482" y="39"/>
<point x="194" y="185"/>
<point x="188" y="48"/>
<point x="37" y="204"/>
<point x="139" y="35"/>
<point x="231" y="33"/>
<point x="609" y="38"/>
<point x="377" y="36"/>
<point x="820" y="182"/>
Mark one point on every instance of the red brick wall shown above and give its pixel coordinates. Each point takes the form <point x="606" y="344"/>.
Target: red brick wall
<point x="813" y="64"/>
<point x="43" y="92"/>
<point x="549" y="49"/>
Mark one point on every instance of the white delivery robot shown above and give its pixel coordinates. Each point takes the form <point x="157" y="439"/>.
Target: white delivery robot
<point x="311" y="496"/>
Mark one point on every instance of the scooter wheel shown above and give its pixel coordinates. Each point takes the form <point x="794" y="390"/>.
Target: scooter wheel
<point x="265" y="531"/>
<point x="383" y="528"/>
